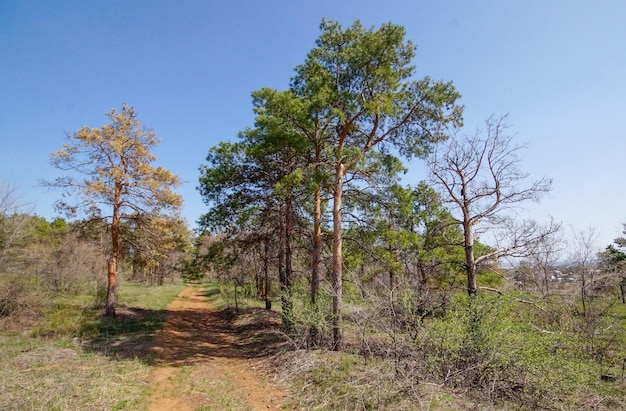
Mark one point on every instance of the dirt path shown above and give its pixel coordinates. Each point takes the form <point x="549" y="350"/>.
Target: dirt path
<point x="207" y="361"/>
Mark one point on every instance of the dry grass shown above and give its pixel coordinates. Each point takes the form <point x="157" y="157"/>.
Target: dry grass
<point x="200" y="385"/>
<point x="85" y="361"/>
<point x="60" y="374"/>
<point x="39" y="374"/>
<point x="325" y="380"/>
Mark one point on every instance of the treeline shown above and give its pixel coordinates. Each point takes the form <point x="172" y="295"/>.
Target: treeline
<point x="41" y="259"/>
<point x="313" y="189"/>
<point x="312" y="196"/>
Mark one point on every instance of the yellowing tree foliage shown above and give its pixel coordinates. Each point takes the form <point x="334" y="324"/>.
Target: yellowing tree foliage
<point x="112" y="170"/>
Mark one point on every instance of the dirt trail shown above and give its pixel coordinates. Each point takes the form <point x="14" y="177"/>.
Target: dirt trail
<point x="206" y="362"/>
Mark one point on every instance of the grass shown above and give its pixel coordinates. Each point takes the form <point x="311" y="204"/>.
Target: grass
<point x="210" y="393"/>
<point x="78" y="360"/>
<point x="149" y="298"/>
<point x="45" y="374"/>
<point x="141" y="311"/>
<point x="503" y="354"/>
<point x="619" y="312"/>
<point x="526" y="356"/>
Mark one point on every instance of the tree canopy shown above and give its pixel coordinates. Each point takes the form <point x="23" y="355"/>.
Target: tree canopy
<point x="110" y="169"/>
<point x="352" y="99"/>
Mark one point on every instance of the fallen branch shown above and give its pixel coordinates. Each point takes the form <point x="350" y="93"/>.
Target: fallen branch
<point x="495" y="290"/>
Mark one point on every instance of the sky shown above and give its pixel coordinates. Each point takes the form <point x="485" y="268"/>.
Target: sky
<point x="556" y="67"/>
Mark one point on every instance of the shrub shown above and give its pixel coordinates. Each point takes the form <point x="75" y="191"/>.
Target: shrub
<point x="503" y="349"/>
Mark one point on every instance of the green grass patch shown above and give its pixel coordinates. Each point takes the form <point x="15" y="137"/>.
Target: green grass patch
<point x="223" y="295"/>
<point x="140" y="313"/>
<point x="76" y="359"/>
<point x="619" y="312"/>
<point x="148" y="297"/>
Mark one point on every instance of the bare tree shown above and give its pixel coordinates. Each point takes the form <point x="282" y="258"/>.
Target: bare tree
<point x="543" y="258"/>
<point x="480" y="176"/>
<point x="14" y="218"/>
<point x="584" y="252"/>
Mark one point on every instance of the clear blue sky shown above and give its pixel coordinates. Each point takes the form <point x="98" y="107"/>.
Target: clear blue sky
<point x="557" y="67"/>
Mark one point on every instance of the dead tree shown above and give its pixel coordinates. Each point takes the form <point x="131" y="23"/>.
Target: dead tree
<point x="480" y="176"/>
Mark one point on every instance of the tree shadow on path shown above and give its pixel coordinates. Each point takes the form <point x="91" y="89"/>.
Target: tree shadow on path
<point x="193" y="335"/>
<point x="191" y="332"/>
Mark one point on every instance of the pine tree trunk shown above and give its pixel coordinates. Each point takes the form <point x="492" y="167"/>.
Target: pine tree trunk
<point x="337" y="258"/>
<point x="266" y="274"/>
<point x="115" y="254"/>
<point x="287" y="304"/>
<point x="317" y="245"/>
<point x="111" y="285"/>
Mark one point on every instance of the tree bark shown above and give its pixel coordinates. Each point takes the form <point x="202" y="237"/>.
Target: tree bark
<point x="392" y="271"/>
<point x="470" y="260"/>
<point x="266" y="280"/>
<point x="115" y="253"/>
<point x="316" y="259"/>
<point x="287" y="304"/>
<point x="317" y="244"/>
<point x="337" y="257"/>
<point x="281" y="267"/>
<point x="111" y="285"/>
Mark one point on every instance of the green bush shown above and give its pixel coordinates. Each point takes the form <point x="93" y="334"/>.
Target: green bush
<point x="508" y="350"/>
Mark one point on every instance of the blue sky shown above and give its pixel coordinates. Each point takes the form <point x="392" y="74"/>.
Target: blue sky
<point x="558" y="68"/>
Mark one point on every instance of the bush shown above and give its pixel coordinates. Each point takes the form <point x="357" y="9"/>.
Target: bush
<point x="310" y="327"/>
<point x="500" y="348"/>
<point x="21" y="301"/>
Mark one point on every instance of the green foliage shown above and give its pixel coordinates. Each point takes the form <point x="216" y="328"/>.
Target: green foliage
<point x="497" y="345"/>
<point x="347" y="61"/>
<point x="406" y="233"/>
<point x="489" y="278"/>
<point x="353" y="94"/>
<point x="310" y="325"/>
<point x="352" y="106"/>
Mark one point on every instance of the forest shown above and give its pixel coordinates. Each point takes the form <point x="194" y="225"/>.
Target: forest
<point x="386" y="293"/>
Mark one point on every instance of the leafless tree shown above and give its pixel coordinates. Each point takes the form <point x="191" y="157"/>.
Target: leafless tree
<point x="480" y="176"/>
<point x="543" y="258"/>
<point x="14" y="218"/>
<point x="583" y="256"/>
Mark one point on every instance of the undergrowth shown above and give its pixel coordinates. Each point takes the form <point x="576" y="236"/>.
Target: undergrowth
<point x="73" y="358"/>
<point x="489" y="351"/>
